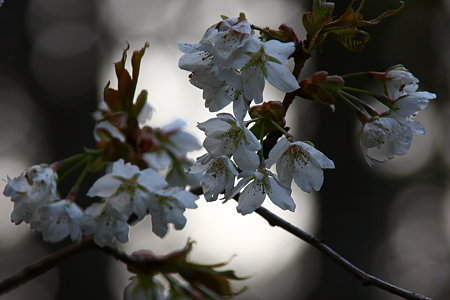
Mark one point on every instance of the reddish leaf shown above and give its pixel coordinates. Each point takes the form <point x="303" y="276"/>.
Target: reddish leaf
<point x="112" y="98"/>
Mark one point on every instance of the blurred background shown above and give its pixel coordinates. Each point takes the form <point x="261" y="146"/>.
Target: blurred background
<point x="392" y="220"/>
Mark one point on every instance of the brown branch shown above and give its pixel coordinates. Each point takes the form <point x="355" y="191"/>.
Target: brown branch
<point x="365" y="278"/>
<point x="300" y="58"/>
<point x="41" y="266"/>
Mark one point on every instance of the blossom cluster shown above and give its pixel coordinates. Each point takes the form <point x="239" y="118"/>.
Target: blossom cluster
<point x="231" y="64"/>
<point x="36" y="202"/>
<point x="126" y="191"/>
<point x="391" y="133"/>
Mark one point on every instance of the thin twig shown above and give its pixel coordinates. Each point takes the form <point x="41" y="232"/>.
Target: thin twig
<point x="41" y="266"/>
<point x="365" y="278"/>
<point x="300" y="58"/>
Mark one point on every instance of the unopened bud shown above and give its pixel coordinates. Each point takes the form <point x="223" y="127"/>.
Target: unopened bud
<point x="320" y="87"/>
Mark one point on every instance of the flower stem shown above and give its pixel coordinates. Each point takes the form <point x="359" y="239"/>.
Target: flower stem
<point x="372" y="75"/>
<point x="287" y="134"/>
<point x="261" y="152"/>
<point x="372" y="111"/>
<point x="62" y="164"/>
<point x="80" y="178"/>
<point x="363" y="116"/>
<point x="73" y="168"/>
<point x="383" y="99"/>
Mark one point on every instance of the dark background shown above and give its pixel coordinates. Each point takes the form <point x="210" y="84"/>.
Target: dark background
<point x="393" y="226"/>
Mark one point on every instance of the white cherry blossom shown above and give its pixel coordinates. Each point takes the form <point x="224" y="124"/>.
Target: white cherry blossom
<point x="399" y="81"/>
<point x="126" y="187"/>
<point x="227" y="36"/>
<point x="180" y="176"/>
<point x="409" y="105"/>
<point x="258" y="185"/>
<point x="33" y="189"/>
<point x="301" y="162"/>
<point x="382" y="138"/>
<point x="175" y="143"/>
<point x="219" y="174"/>
<point x="103" y="225"/>
<point x="167" y="206"/>
<point x="220" y="86"/>
<point x="265" y="61"/>
<point x="392" y="133"/>
<point x="227" y="136"/>
<point x="211" y="61"/>
<point x="59" y="220"/>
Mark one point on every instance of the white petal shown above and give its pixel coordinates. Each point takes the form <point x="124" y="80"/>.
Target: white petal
<point x="317" y="156"/>
<point x="280" y="51"/>
<point x="158" y="160"/>
<point x="218" y="147"/>
<point x="238" y="187"/>
<point x="186" y="198"/>
<point x="250" y="199"/>
<point x="253" y="83"/>
<point x="280" y="196"/>
<point x="159" y="226"/>
<point x="246" y="159"/>
<point x="105" y="186"/>
<point x="416" y="127"/>
<point x="280" y="77"/>
<point x="183" y="142"/>
<point x="214" y="125"/>
<point x="121" y="230"/>
<point x="240" y="108"/>
<point x="277" y="151"/>
<point x="250" y="140"/>
<point x="176" y="125"/>
<point x="285" y="170"/>
<point x="308" y="176"/>
<point x="56" y="231"/>
<point x="151" y="180"/>
<point x="127" y="170"/>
